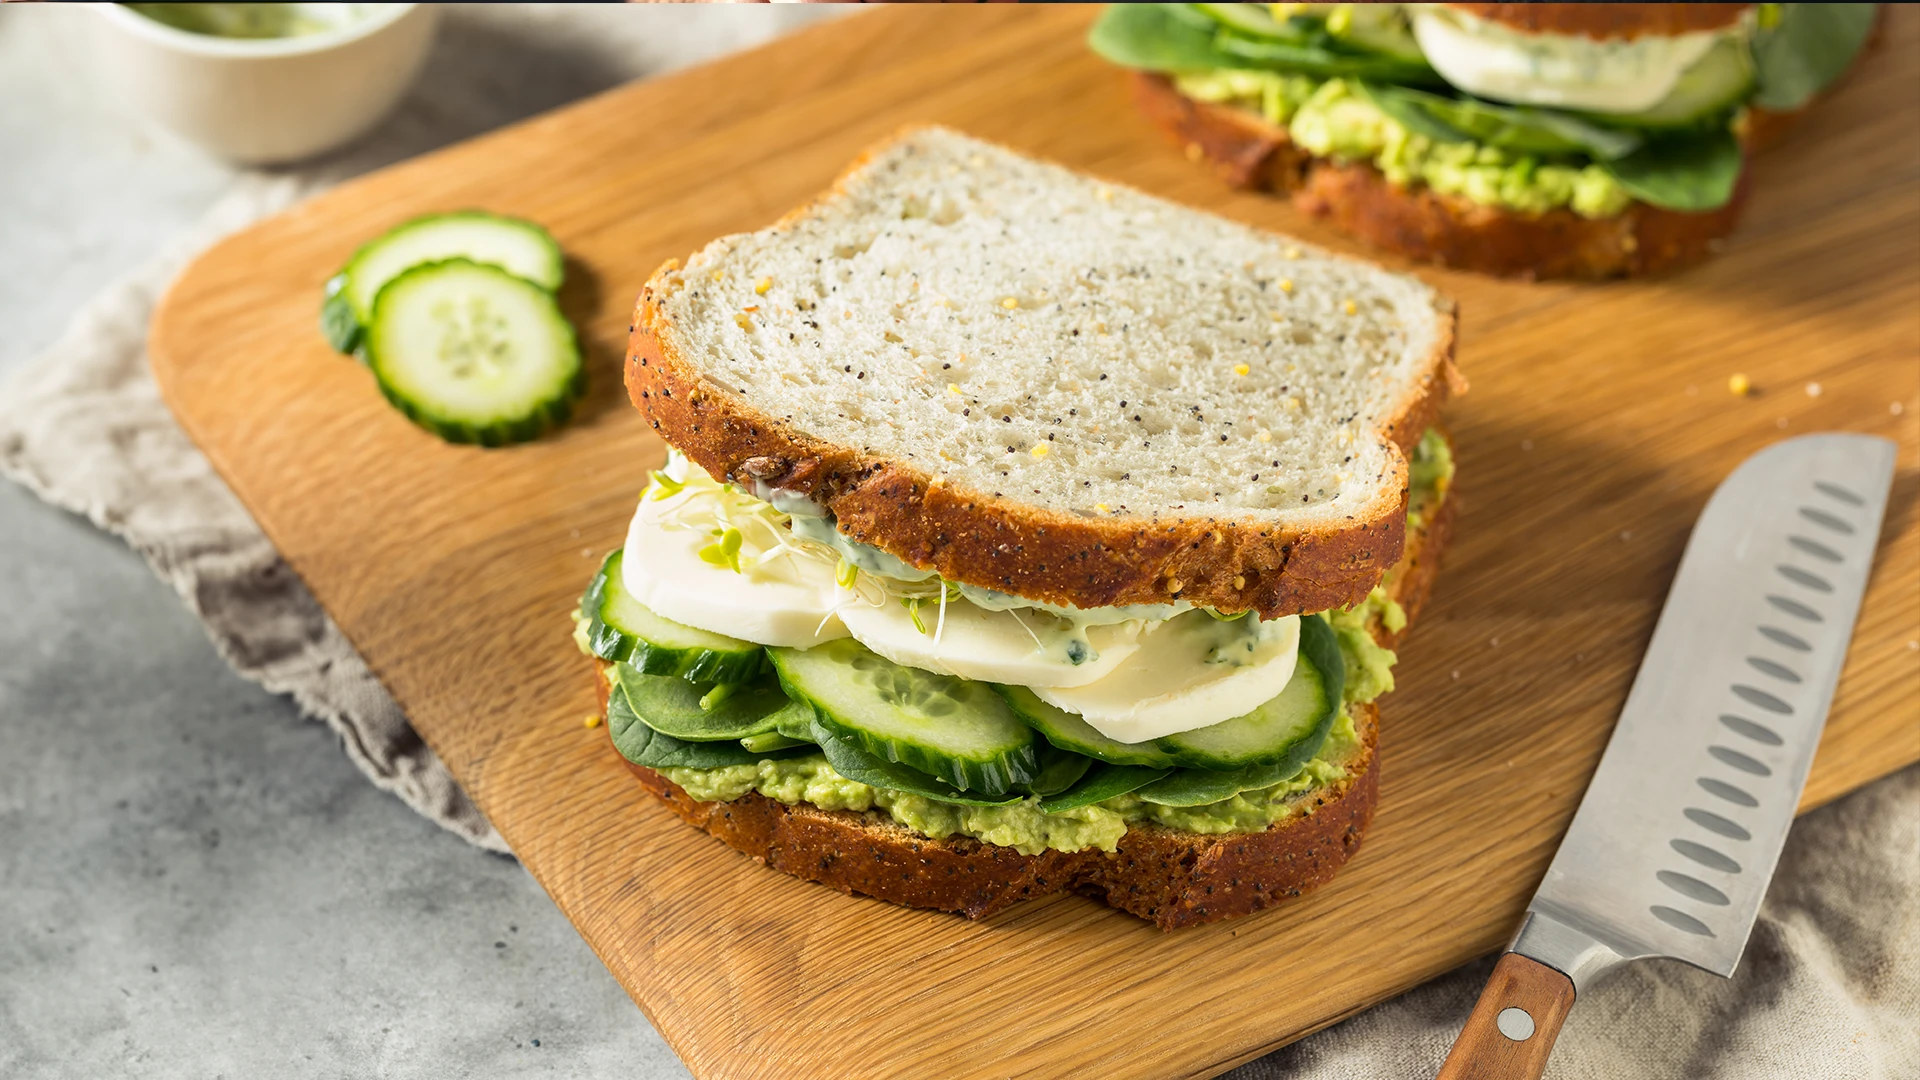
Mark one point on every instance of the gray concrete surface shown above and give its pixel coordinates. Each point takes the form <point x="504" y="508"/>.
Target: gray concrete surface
<point x="193" y="880"/>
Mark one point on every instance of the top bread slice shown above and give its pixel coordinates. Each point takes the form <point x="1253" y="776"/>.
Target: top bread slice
<point x="1035" y="382"/>
<point x="1609" y="22"/>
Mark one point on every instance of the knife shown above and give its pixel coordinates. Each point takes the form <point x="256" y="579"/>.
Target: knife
<point x="1680" y="829"/>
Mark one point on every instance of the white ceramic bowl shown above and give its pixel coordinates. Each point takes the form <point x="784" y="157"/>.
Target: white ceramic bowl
<point x="264" y="101"/>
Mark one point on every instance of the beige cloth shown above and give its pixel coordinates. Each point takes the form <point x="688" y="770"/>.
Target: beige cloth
<point x="1830" y="986"/>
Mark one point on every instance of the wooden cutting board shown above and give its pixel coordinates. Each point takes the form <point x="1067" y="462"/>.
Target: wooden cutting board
<point x="1598" y="423"/>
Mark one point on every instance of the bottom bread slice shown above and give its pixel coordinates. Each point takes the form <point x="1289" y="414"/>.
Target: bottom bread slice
<point x="1169" y="877"/>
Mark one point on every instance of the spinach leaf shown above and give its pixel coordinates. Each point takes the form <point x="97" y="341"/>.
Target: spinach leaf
<point x="1404" y="108"/>
<point x="642" y="745"/>
<point x="1807" y="49"/>
<point x="1059" y="769"/>
<point x="795" y="721"/>
<point x="630" y="733"/>
<point x="1540" y="132"/>
<point x="1103" y="782"/>
<point x="1198" y="787"/>
<point x="1321" y="54"/>
<point x="671" y="704"/>
<point x="1179" y="37"/>
<point x="1691" y="174"/>
<point x="855" y="764"/>
<point x="1254" y="19"/>
<point x="1157" y="37"/>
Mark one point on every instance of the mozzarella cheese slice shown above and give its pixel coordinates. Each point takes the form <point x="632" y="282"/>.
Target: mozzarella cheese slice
<point x="788" y="600"/>
<point x="1568" y="71"/>
<point x="1027" y="648"/>
<point x="1189" y="672"/>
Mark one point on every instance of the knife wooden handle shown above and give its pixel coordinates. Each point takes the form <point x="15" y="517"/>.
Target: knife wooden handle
<point x="1513" y="1026"/>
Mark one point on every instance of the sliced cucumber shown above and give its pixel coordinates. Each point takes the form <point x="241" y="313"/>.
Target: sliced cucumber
<point x="474" y="354"/>
<point x="519" y="247"/>
<point x="1199" y="787"/>
<point x="1377" y="28"/>
<point x="1102" y="783"/>
<point x="1712" y="88"/>
<point x="953" y="729"/>
<point x="623" y="629"/>
<point x="1289" y="727"/>
<point x="854" y="763"/>
<point x="1069" y="732"/>
<point x="673" y="706"/>
<point x="1282" y="729"/>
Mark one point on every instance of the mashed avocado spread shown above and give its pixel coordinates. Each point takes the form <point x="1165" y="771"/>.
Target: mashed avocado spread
<point x="1024" y="827"/>
<point x="1429" y="475"/>
<point x="1329" y="119"/>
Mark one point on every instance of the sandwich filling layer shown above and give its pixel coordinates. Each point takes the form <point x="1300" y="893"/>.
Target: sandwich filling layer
<point x="1331" y="118"/>
<point x="958" y="711"/>
<point x="1023" y="826"/>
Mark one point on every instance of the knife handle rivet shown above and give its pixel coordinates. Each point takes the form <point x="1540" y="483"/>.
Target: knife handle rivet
<point x="1515" y="1023"/>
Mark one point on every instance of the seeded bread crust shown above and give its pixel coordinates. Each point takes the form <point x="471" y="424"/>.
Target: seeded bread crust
<point x="1170" y="878"/>
<point x="1227" y="563"/>
<point x="1248" y="152"/>
<point x="1223" y="562"/>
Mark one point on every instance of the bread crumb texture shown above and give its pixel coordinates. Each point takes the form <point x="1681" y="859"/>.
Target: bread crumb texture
<point x="1012" y="326"/>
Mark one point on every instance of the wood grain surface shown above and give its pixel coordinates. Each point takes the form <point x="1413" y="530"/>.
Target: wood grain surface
<point x="1598" y="423"/>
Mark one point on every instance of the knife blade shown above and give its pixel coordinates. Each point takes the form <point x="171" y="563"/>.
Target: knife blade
<point x="1678" y="834"/>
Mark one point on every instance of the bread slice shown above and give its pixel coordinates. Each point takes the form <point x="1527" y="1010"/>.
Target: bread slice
<point x="1247" y="151"/>
<point x="1609" y="22"/>
<point x="1166" y="876"/>
<point x="1032" y="381"/>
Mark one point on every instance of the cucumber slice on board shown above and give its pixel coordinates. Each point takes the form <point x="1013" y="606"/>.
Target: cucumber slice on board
<point x="623" y="629"/>
<point x="958" y="731"/>
<point x="670" y="705"/>
<point x="642" y="745"/>
<point x="474" y="354"/>
<point x="1100" y="784"/>
<point x="854" y="763"/>
<point x="1069" y="732"/>
<point x="1278" y="730"/>
<point x="519" y="247"/>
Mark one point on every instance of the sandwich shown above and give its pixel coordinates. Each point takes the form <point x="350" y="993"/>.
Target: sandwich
<point x="1023" y="533"/>
<point x="1531" y="140"/>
